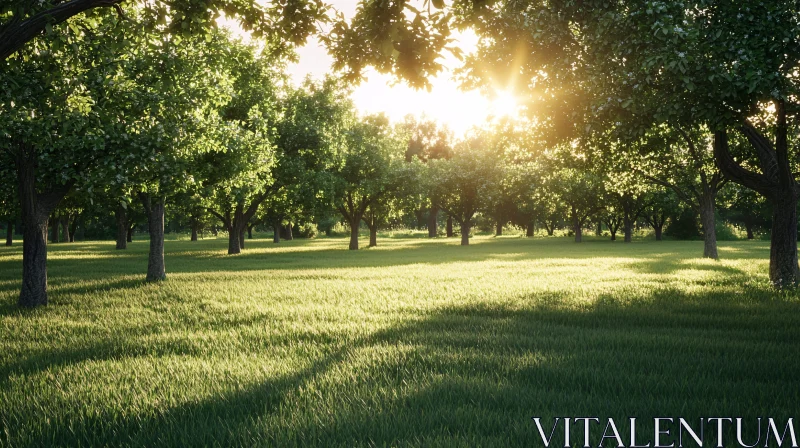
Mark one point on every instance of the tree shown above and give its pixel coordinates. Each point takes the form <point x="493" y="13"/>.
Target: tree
<point x="237" y="166"/>
<point x="365" y="172"/>
<point x="402" y="181"/>
<point x="310" y="140"/>
<point x="289" y="22"/>
<point x="581" y="191"/>
<point x="427" y="140"/>
<point x="691" y="174"/>
<point x="238" y="173"/>
<point x="50" y="134"/>
<point x="525" y="182"/>
<point x="464" y="184"/>
<point x="748" y="208"/>
<point x="165" y="102"/>
<point x="76" y="60"/>
<point x="663" y="204"/>
<point x="9" y="205"/>
<point x="691" y="64"/>
<point x="628" y="192"/>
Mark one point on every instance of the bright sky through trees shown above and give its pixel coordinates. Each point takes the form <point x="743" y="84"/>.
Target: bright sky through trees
<point x="445" y="103"/>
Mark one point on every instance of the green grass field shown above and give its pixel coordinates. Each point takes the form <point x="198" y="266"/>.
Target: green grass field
<point x="415" y="343"/>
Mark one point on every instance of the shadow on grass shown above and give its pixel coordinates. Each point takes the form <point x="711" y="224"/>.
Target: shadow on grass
<point x="187" y="257"/>
<point x="475" y="375"/>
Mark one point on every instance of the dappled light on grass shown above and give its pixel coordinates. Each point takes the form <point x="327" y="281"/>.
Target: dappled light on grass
<point x="420" y="342"/>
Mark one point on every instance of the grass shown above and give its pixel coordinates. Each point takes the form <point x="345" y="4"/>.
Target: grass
<point x="415" y="343"/>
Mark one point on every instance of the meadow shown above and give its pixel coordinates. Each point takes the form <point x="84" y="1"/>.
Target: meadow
<point x="414" y="343"/>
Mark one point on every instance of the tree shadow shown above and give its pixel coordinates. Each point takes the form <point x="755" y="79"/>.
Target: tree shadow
<point x="476" y="374"/>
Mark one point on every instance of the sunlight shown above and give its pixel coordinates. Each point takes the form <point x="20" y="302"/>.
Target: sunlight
<point x="504" y="104"/>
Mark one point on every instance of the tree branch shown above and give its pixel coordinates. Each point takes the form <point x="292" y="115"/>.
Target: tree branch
<point x="15" y="36"/>
<point x="734" y="171"/>
<point x="764" y="151"/>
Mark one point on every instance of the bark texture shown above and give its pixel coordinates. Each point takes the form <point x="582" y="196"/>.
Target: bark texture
<point x="550" y="227"/>
<point x="36" y="208"/>
<point x="577" y="225"/>
<point x="354" y="235"/>
<point x="628" y="230"/>
<point x="776" y="182"/>
<point x="433" y="222"/>
<point x="289" y="233"/>
<point x="373" y="236"/>
<point x="19" y="32"/>
<point x="466" y="227"/>
<point x="73" y="227"/>
<point x="154" y="207"/>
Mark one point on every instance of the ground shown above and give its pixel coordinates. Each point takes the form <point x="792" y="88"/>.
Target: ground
<point x="416" y="342"/>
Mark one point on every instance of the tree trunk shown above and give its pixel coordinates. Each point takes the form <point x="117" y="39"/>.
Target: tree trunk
<point x="194" y="232"/>
<point x="354" y="233"/>
<point x="35" y="211"/>
<point x="749" y="227"/>
<point x="276" y="232"/>
<point x="9" y="233"/>
<point x="627" y="229"/>
<point x="64" y="221"/>
<point x="418" y="213"/>
<point x="709" y="225"/>
<point x="777" y="183"/>
<point x="449" y="227"/>
<point x="154" y="207"/>
<point x="289" y="235"/>
<point x="373" y="236"/>
<point x="550" y="228"/>
<point x="120" y="214"/>
<point x="53" y="222"/>
<point x="529" y="230"/>
<point x="129" y="236"/>
<point x="236" y="227"/>
<point x="659" y="229"/>
<point x="34" y="262"/>
<point x="249" y="232"/>
<point x="599" y="230"/>
<point x="433" y="222"/>
<point x="466" y="227"/>
<point x="783" y="267"/>
<point x="233" y="240"/>
<point x="498" y="229"/>
<point x="576" y="226"/>
<point x="73" y="228"/>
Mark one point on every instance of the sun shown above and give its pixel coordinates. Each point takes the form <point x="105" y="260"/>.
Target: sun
<point x="504" y="104"/>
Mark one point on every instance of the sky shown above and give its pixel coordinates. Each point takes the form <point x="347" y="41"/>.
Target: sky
<point x="445" y="102"/>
